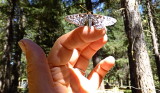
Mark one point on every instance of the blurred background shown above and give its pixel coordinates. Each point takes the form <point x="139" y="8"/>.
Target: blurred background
<point x="43" y="22"/>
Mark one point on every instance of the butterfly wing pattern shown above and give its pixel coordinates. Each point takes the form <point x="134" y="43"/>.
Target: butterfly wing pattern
<point x="97" y="21"/>
<point x="77" y="19"/>
<point x="100" y="21"/>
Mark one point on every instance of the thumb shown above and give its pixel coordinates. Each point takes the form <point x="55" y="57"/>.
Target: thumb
<point x="39" y="76"/>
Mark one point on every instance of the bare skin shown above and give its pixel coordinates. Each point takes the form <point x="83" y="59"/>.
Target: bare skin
<point x="62" y="71"/>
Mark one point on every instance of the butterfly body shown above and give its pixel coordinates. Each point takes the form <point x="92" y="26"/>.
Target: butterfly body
<point x="89" y="19"/>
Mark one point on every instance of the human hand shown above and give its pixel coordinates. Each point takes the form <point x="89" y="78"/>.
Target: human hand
<point x="62" y="70"/>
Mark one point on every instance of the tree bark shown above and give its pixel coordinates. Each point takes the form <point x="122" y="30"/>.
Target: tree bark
<point x="140" y="69"/>
<point x="12" y="53"/>
<point x="6" y="60"/>
<point x="89" y="5"/>
<point x="154" y="37"/>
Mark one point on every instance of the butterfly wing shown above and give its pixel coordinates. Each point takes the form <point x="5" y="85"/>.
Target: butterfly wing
<point x="109" y="21"/>
<point x="77" y="19"/>
<point x="100" y="21"/>
<point x="97" y="21"/>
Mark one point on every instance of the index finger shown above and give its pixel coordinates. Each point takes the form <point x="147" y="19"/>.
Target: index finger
<point x="63" y="48"/>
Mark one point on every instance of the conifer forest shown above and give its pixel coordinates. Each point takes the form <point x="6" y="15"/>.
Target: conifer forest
<point x="133" y="40"/>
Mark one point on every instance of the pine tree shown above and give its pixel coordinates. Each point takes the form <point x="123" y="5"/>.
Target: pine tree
<point x="10" y="61"/>
<point x="154" y="37"/>
<point x="140" y="69"/>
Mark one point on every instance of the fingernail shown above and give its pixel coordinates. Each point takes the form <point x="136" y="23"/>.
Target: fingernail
<point x="110" y="59"/>
<point x="105" y="38"/>
<point x="22" y="46"/>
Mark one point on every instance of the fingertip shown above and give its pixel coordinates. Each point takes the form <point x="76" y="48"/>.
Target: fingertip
<point x="105" y="38"/>
<point x="32" y="50"/>
<point x="25" y="45"/>
<point x="102" y="29"/>
<point x="90" y="34"/>
<point x="99" y="72"/>
<point x="110" y="59"/>
<point x="22" y="46"/>
<point x="108" y="63"/>
<point x="81" y="28"/>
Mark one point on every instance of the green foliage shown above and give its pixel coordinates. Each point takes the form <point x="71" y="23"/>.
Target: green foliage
<point x="156" y="15"/>
<point x="43" y="22"/>
<point x="148" y="36"/>
<point x="117" y="47"/>
<point x="3" y="26"/>
<point x="127" y="91"/>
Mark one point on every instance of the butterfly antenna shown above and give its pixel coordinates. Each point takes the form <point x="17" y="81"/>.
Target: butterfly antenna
<point x="84" y="8"/>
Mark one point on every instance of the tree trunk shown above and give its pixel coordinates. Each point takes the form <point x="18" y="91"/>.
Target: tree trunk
<point x="12" y="53"/>
<point x="154" y="37"/>
<point x="140" y="69"/>
<point x="89" y="5"/>
<point x="6" y="60"/>
<point x="17" y="36"/>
